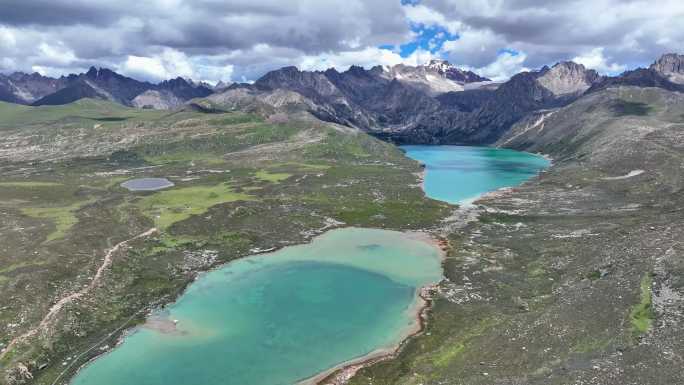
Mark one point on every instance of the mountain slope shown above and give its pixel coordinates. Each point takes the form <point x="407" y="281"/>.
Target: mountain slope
<point x="667" y="72"/>
<point x="410" y="104"/>
<point x="482" y="116"/>
<point x="576" y="276"/>
<point x="77" y="90"/>
<point x="23" y="88"/>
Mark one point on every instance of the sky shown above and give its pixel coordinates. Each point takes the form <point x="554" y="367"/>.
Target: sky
<point x="240" y="40"/>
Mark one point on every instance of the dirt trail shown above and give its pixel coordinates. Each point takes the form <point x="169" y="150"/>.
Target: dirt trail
<point x="57" y="307"/>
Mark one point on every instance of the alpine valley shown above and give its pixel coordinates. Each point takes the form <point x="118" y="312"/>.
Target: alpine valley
<point x="269" y="211"/>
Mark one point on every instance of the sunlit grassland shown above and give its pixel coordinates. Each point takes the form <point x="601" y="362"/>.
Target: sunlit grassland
<point x="642" y="315"/>
<point x="171" y="206"/>
<point x="63" y="217"/>
<point x="274" y="177"/>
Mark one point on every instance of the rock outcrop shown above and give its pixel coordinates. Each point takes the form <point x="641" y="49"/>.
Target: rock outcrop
<point x="671" y="66"/>
<point x="158" y="100"/>
<point x="568" y="78"/>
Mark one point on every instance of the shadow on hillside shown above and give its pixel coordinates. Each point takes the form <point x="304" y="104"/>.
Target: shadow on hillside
<point x="624" y="108"/>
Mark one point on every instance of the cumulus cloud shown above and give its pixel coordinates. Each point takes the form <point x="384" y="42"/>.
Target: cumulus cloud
<point x="506" y="65"/>
<point x="367" y="57"/>
<point x="629" y="33"/>
<point x="595" y="59"/>
<point x="170" y="63"/>
<point x="473" y="47"/>
<point x="243" y="39"/>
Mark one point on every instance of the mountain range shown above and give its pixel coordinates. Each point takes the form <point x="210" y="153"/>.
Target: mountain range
<point x="434" y="103"/>
<point x="37" y="90"/>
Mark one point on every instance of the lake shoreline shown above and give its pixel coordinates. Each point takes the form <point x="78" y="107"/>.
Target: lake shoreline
<point x="420" y="309"/>
<point x="463" y="167"/>
<point x="340" y="374"/>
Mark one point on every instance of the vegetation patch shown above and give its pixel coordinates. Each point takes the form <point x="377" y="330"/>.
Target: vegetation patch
<point x="445" y="356"/>
<point x="171" y="206"/>
<point x="63" y="217"/>
<point x="274" y="177"/>
<point x="29" y="184"/>
<point x="594" y="275"/>
<point x="9" y="269"/>
<point x="642" y="314"/>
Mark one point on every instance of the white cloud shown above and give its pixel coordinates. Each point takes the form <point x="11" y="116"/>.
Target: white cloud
<point x="367" y="57"/>
<point x="170" y="63"/>
<point x="215" y="73"/>
<point x="146" y="67"/>
<point x="505" y="66"/>
<point x="474" y="47"/>
<point x="594" y="59"/>
<point x="7" y="38"/>
<point x="47" y="70"/>
<point x="57" y="53"/>
<point x="420" y="14"/>
<point x="246" y="38"/>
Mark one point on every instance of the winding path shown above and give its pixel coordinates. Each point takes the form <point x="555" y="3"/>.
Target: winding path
<point x="57" y="307"/>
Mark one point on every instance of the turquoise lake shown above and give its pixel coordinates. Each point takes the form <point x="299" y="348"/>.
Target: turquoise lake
<point x="283" y="317"/>
<point x="459" y="174"/>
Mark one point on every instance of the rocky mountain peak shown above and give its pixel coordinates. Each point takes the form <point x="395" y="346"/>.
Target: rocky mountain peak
<point x="26" y="76"/>
<point x="92" y="72"/>
<point x="101" y="73"/>
<point x="567" y="77"/>
<point x="439" y="65"/>
<point x="454" y="73"/>
<point x="671" y="66"/>
<point x="280" y="78"/>
<point x="175" y="83"/>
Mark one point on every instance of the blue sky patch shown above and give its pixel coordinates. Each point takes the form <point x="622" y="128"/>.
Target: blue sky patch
<point x="510" y="51"/>
<point x="428" y="38"/>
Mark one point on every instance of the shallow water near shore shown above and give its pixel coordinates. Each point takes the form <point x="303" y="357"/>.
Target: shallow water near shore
<point x="282" y="317"/>
<point x="460" y="174"/>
